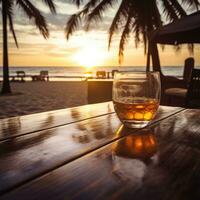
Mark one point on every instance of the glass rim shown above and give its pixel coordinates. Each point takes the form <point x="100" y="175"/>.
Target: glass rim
<point x="133" y="74"/>
<point x="137" y="72"/>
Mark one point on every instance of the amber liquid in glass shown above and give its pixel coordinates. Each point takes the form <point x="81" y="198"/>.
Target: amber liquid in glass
<point x="136" y="109"/>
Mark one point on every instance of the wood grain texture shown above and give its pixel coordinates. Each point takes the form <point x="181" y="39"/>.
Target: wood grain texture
<point x="29" y="156"/>
<point x="16" y="126"/>
<point x="161" y="162"/>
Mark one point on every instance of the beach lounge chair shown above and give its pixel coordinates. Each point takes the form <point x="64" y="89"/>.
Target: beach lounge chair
<point x="191" y="95"/>
<point x="44" y="76"/>
<point x="172" y="85"/>
<point x="101" y="74"/>
<point x="20" y="76"/>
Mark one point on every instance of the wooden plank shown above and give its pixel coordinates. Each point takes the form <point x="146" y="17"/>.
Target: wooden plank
<point x="26" y="157"/>
<point x="161" y="162"/>
<point x="16" y="126"/>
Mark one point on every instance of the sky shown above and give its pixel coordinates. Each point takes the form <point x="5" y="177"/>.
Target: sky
<point x="83" y="48"/>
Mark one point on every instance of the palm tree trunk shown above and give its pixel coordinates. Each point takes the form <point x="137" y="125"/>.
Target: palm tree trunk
<point x="155" y="58"/>
<point x="6" y="84"/>
<point x="148" y="58"/>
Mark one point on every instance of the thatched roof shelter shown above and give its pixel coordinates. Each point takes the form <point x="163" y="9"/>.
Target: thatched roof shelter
<point x="184" y="30"/>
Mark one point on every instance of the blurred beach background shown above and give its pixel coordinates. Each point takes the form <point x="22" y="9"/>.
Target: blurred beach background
<point x="60" y="72"/>
<point x="32" y="97"/>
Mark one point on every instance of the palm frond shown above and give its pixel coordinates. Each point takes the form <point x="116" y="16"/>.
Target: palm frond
<point x="88" y="6"/>
<point x="119" y="16"/>
<point x="51" y="5"/>
<point x="124" y="37"/>
<point x="72" y="24"/>
<point x="96" y="13"/>
<point x="75" y="20"/>
<point x="192" y="3"/>
<point x="169" y="10"/>
<point x="77" y="2"/>
<point x="137" y="29"/>
<point x="12" y="29"/>
<point x="157" y="16"/>
<point x="179" y="9"/>
<point x="9" y="11"/>
<point x="33" y="13"/>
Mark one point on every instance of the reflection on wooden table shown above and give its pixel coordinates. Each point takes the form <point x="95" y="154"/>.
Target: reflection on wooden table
<point x="141" y="145"/>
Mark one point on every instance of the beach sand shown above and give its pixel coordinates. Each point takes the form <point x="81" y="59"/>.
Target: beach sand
<point x="34" y="97"/>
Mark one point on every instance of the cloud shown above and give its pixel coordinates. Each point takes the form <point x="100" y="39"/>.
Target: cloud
<point x="56" y="22"/>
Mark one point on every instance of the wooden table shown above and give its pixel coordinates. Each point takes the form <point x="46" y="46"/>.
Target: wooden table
<point x="85" y="153"/>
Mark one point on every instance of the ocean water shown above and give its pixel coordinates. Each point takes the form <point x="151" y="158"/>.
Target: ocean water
<point x="80" y="71"/>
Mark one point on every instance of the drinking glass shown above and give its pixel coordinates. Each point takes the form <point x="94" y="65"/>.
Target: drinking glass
<point x="136" y="97"/>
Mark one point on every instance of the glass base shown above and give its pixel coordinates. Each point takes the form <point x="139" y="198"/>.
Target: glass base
<point x="135" y="123"/>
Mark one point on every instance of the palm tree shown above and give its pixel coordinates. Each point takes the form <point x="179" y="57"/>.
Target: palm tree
<point x="138" y="17"/>
<point x="7" y="17"/>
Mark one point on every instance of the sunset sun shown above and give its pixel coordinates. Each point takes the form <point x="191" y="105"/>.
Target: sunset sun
<point x="89" y="57"/>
